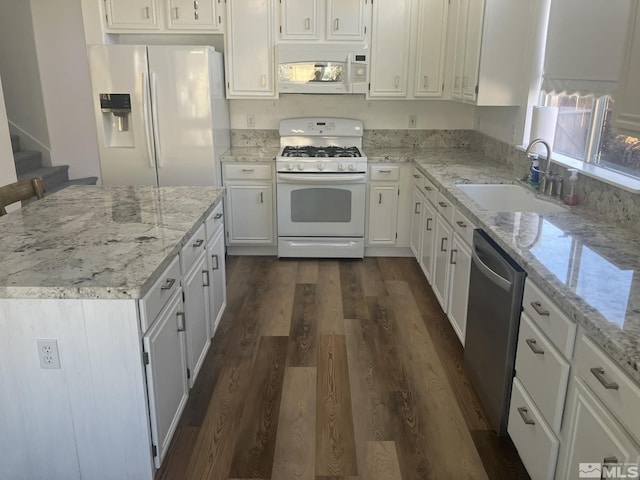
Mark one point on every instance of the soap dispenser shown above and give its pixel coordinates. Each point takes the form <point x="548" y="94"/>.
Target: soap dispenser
<point x="533" y="178"/>
<point x="571" y="198"/>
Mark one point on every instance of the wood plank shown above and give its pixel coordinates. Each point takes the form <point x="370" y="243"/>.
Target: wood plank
<point x="213" y="450"/>
<point x="177" y="458"/>
<point x="381" y="461"/>
<point x="329" y="299"/>
<point x="307" y="271"/>
<point x="253" y="455"/>
<point x="335" y="442"/>
<point x="294" y="457"/>
<point x="303" y="339"/>
<point x="353" y="302"/>
<point x="372" y="283"/>
<point x="390" y="268"/>
<point x="275" y="310"/>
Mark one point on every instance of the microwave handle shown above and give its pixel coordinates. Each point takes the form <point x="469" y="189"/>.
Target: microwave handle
<point x="347" y="83"/>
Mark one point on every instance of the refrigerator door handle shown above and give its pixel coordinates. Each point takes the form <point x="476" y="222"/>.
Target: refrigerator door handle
<point x="156" y="122"/>
<point x="147" y="120"/>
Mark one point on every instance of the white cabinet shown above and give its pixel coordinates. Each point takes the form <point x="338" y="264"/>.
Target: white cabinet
<point x="346" y="19"/>
<point x="383" y="205"/>
<point x="442" y="249"/>
<point x="132" y="14"/>
<point x="249" y="49"/>
<point x="299" y="19"/>
<point x="416" y="223"/>
<point x="249" y="204"/>
<point x="216" y="265"/>
<point x="430" y="48"/>
<point x="489" y="45"/>
<point x="428" y="239"/>
<point x="627" y="104"/>
<point x="459" y="270"/>
<point x="195" y="14"/>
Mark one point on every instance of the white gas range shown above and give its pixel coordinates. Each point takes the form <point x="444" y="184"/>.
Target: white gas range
<point x="321" y="188"/>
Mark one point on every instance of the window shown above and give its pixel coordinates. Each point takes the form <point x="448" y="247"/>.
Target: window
<point x="584" y="132"/>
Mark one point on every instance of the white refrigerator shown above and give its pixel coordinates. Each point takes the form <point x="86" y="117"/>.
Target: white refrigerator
<point x="161" y="114"/>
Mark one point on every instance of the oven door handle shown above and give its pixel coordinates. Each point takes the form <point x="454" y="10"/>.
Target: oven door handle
<point x="321" y="178"/>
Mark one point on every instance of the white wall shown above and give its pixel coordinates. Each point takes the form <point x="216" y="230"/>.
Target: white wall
<point x="64" y="74"/>
<point x="7" y="166"/>
<point x="391" y="114"/>
<point x="20" y="72"/>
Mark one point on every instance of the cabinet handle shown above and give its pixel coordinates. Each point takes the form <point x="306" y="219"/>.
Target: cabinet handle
<point x="443" y="244"/>
<point x="248" y="170"/>
<point x="534" y="346"/>
<point x="428" y="228"/>
<point x="461" y="224"/>
<point x="168" y="284"/>
<point x="205" y="278"/>
<point x="196" y="15"/>
<point x="397" y="81"/>
<point x="176" y="15"/>
<point x="217" y="216"/>
<point x="261" y="197"/>
<point x="181" y="322"/>
<point x="425" y="81"/>
<point x="524" y="413"/>
<point x="428" y="189"/>
<point x="610" y="460"/>
<point x="443" y="205"/>
<point x="598" y="372"/>
<point x="451" y="260"/>
<point x="147" y="12"/>
<point x="384" y="171"/>
<point x="195" y="5"/>
<point x="379" y="199"/>
<point x="336" y="24"/>
<point x="415" y="210"/>
<point x="537" y="306"/>
<point x="416" y="176"/>
<point x="198" y="243"/>
<point x="217" y="265"/>
<point x="307" y="23"/>
<point x="263" y="80"/>
<point x="456" y="82"/>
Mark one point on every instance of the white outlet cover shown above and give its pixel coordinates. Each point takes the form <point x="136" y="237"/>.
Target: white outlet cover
<point x="48" y="353"/>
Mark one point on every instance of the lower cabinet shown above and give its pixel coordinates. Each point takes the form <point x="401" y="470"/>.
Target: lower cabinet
<point x="459" y="271"/>
<point x="416" y="223"/>
<point x="383" y="214"/>
<point x="428" y="240"/>
<point x="442" y="249"/>
<point x="217" y="284"/>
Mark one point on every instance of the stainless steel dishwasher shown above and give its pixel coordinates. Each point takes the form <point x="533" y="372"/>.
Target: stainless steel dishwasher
<point x="496" y="285"/>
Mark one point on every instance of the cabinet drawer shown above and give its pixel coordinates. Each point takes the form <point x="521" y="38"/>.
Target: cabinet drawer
<point x="192" y="248"/>
<point x="610" y="384"/>
<point x="159" y="294"/>
<point x="549" y="318"/>
<point x="214" y="221"/>
<point x="463" y="227"/>
<point x="543" y="371"/>
<point x="430" y="191"/>
<point x="247" y="171"/>
<point x="536" y="443"/>
<point x="384" y="172"/>
<point x="445" y="207"/>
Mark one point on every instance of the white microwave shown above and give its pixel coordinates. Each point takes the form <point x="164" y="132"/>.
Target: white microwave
<point x="322" y="68"/>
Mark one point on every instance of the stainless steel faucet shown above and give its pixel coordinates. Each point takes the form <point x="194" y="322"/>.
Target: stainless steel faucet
<point x="546" y="176"/>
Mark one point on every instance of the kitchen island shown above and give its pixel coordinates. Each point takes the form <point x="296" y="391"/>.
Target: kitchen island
<point x="98" y="272"/>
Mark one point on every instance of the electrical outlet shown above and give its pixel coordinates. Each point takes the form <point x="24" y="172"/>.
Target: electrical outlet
<point x="251" y="120"/>
<point x="48" y="353"/>
<point x="413" y="121"/>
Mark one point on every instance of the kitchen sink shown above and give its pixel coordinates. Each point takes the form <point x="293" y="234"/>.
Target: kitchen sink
<point x="508" y="198"/>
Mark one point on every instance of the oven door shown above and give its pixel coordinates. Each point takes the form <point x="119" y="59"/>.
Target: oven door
<point x="321" y="204"/>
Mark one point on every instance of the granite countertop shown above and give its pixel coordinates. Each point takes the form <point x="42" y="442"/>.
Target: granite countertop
<point x="251" y="154"/>
<point x="98" y="242"/>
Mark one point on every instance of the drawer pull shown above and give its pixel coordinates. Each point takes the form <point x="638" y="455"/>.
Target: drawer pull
<point x="443" y="244"/>
<point x="598" y="372"/>
<point x="428" y="189"/>
<point x="428" y="228"/>
<point x="524" y="413"/>
<point x="451" y="256"/>
<point x="461" y="224"/>
<point x="205" y="278"/>
<point x="384" y="171"/>
<point x="443" y="205"/>
<point x="379" y="199"/>
<point x="610" y="460"/>
<point x="537" y="306"/>
<point x="217" y="216"/>
<point x="217" y="265"/>
<point x="168" y="284"/>
<point x="534" y="346"/>
<point x="181" y="322"/>
<point x="248" y="170"/>
<point x="416" y="176"/>
<point x="415" y="210"/>
<point x="198" y="243"/>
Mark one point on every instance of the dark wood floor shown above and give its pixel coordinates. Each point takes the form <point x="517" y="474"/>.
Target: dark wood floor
<point x="325" y="369"/>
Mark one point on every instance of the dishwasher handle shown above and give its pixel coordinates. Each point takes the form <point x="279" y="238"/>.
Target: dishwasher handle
<point x="500" y="281"/>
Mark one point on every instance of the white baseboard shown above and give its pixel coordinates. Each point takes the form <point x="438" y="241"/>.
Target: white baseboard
<point x="388" y="252"/>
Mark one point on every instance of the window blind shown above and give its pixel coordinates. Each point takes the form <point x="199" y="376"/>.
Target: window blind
<point x="585" y="44"/>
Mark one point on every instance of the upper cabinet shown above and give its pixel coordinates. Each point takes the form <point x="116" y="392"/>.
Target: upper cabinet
<point x="346" y="19"/>
<point x="627" y="98"/>
<point x="299" y="19"/>
<point x="140" y="16"/>
<point x="408" y="48"/>
<point x="489" y="43"/>
<point x="249" y="49"/>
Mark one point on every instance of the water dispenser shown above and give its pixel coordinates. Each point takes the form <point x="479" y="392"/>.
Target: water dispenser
<point x="116" y="109"/>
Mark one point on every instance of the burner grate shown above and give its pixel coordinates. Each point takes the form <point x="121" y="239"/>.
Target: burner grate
<point x="321" y="152"/>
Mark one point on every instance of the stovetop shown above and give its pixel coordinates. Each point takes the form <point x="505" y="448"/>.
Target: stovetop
<point x="309" y="151"/>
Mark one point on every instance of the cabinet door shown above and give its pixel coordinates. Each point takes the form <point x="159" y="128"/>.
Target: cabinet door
<point x="473" y="42"/>
<point x="627" y="105"/>
<point x="194" y="14"/>
<point x="346" y="19"/>
<point x="390" y="48"/>
<point x="442" y="249"/>
<point x="166" y="371"/>
<point x="195" y="285"/>
<point x="299" y="19"/>
<point x="218" y="280"/>
<point x="431" y="42"/>
<point x="428" y="240"/>
<point x="460" y="267"/>
<point x="132" y="14"/>
<point x="250" y="214"/>
<point x="249" y="49"/>
<point x="593" y="436"/>
<point x="416" y="223"/>
<point x="383" y="212"/>
<point x="458" y="11"/>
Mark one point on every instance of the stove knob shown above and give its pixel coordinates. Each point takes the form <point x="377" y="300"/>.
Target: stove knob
<point x="352" y="167"/>
<point x="321" y="166"/>
<point x="341" y="167"/>
<point x="301" y="166"/>
<point x="290" y="166"/>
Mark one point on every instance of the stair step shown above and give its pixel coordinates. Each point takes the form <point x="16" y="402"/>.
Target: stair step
<point x="52" y="176"/>
<point x="15" y="142"/>
<point x="27" y="161"/>
<point x="75" y="181"/>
